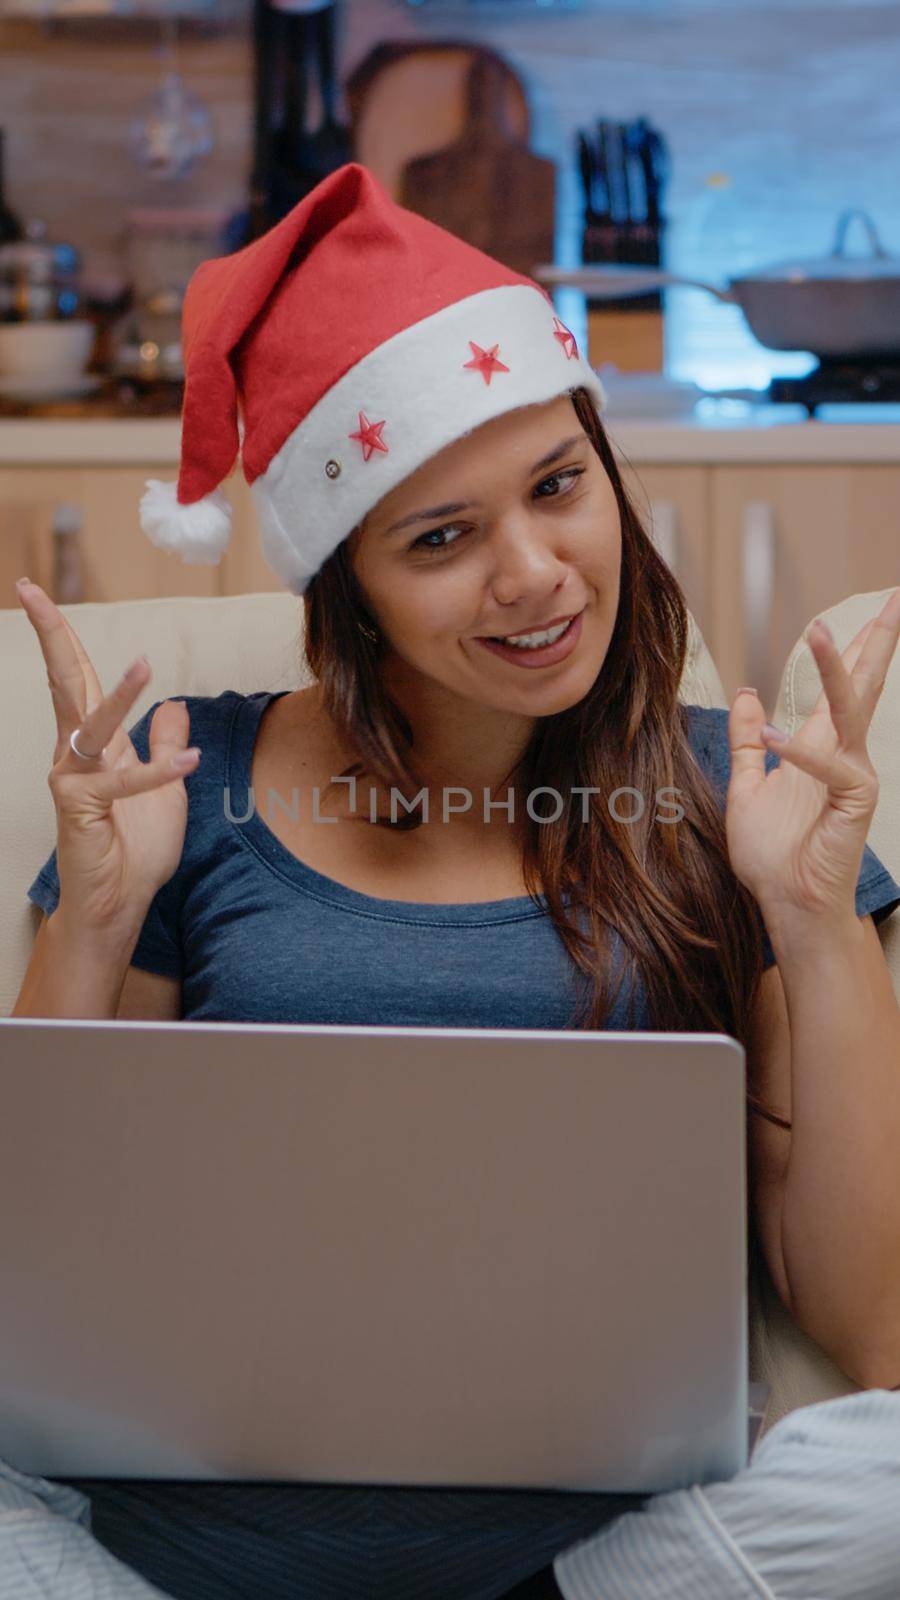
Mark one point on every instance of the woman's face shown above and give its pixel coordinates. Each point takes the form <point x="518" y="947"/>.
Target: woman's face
<point x="492" y="537"/>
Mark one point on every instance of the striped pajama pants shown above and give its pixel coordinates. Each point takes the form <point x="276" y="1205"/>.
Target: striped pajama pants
<point x="814" y="1516"/>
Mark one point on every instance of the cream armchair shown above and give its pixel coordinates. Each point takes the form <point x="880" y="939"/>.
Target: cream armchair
<point x="780" y="1355"/>
<point x="249" y="642"/>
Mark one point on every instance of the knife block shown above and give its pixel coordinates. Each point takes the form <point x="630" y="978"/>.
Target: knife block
<point x="631" y="339"/>
<point x="626" y="330"/>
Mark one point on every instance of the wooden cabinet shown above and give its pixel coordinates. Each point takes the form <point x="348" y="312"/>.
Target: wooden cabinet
<point x="761" y="529"/>
<point x="673" y="503"/>
<point x="789" y="542"/>
<point x="761" y="549"/>
<point x="118" y="561"/>
<point x="27" y="498"/>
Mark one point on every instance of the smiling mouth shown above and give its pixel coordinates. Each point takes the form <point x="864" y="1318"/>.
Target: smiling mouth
<point x="523" y="633"/>
<point x="554" y="650"/>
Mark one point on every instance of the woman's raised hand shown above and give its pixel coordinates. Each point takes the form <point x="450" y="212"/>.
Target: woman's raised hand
<point x="120" y="821"/>
<point x="796" y="834"/>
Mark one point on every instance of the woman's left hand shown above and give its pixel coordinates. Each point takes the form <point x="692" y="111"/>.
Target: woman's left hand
<point x="796" y="834"/>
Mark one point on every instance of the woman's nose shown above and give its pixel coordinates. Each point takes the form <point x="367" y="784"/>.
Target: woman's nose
<point x="526" y="562"/>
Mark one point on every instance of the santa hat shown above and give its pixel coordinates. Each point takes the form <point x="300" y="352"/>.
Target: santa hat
<point x="339" y="352"/>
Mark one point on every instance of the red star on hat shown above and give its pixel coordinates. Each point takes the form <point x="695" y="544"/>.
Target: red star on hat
<point x="369" y="436"/>
<point x="485" y="361"/>
<point x="566" y="339"/>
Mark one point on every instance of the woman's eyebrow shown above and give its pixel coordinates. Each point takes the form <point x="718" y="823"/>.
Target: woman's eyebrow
<point x="451" y="509"/>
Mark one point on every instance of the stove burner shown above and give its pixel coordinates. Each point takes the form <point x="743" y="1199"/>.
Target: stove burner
<point x="841" y="383"/>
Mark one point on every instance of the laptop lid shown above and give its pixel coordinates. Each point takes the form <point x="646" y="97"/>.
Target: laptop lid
<point x="372" y="1255"/>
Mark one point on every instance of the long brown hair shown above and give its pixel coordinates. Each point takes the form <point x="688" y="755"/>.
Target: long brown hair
<point x="689" y="928"/>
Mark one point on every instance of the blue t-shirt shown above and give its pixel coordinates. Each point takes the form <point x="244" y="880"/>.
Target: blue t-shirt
<point x="255" y="935"/>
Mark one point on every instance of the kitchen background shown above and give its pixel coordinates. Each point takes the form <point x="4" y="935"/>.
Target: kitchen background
<point x="795" y="101"/>
<point x="776" y="118"/>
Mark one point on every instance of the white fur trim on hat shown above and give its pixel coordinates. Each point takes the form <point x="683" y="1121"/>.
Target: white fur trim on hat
<point x="416" y="383"/>
<point x="199" y="532"/>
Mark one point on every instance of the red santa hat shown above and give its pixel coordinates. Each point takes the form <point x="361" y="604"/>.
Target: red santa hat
<point x="339" y="352"/>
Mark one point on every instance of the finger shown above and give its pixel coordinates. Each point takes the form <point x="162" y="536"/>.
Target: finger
<point x="101" y="729"/>
<point x="873" y="661"/>
<point x="93" y="685"/>
<point x="846" y="780"/>
<point x="748" y="753"/>
<point x="169" y="730"/>
<point x="36" y="594"/>
<point x="119" y="783"/>
<point x="167" y="737"/>
<point x="92" y="682"/>
<point x="822" y="709"/>
<point x="848" y="714"/>
<point x="75" y="688"/>
<point x="857" y="657"/>
<point x="850" y="655"/>
<point x="64" y="674"/>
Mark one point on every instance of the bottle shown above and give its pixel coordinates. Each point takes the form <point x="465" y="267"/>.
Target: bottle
<point x="68" y="570"/>
<point x="715" y="240"/>
<point x="10" y="227"/>
<point x="724" y="242"/>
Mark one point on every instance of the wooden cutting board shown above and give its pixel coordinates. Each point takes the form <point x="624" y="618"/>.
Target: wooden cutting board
<point x="408" y="99"/>
<point x="487" y="186"/>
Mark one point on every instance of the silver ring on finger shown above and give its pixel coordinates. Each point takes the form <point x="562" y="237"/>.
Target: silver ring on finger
<point x="82" y="754"/>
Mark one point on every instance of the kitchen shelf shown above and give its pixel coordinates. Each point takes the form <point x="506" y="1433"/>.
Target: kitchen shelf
<point x="87" y="440"/>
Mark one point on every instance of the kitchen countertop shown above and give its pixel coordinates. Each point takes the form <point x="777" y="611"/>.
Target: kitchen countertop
<point x="735" y="433"/>
<point x="717" y="432"/>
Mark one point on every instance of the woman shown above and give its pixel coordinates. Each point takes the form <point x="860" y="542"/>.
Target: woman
<point x="466" y="513"/>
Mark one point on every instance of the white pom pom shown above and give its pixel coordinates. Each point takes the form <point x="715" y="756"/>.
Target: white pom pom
<point x="198" y="532"/>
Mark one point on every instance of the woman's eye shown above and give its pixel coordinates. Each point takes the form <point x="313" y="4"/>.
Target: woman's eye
<point x="420" y="543"/>
<point x="556" y="477"/>
<point x="454" y="527"/>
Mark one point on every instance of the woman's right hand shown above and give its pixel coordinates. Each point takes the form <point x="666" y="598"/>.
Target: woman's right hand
<point x="120" y="821"/>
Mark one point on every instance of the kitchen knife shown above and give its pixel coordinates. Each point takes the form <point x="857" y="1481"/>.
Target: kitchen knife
<point x="589" y="231"/>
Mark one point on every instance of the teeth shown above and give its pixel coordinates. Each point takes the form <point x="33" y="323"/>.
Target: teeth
<point x="531" y="641"/>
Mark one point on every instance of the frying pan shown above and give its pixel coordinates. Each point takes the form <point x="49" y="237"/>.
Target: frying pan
<point x="838" y="306"/>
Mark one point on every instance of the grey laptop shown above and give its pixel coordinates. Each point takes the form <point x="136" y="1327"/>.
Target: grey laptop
<point x="372" y="1255"/>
